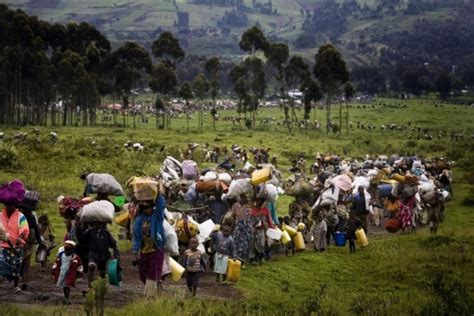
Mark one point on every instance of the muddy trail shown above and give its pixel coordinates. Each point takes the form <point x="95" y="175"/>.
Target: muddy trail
<point x="42" y="291"/>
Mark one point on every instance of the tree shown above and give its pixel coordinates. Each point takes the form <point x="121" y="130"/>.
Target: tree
<point x="212" y="67"/>
<point x="253" y="40"/>
<point x="312" y="93"/>
<point x="348" y="94"/>
<point x="200" y="89"/>
<point x="163" y="82"/>
<point x="130" y="62"/>
<point x="330" y="69"/>
<point x="167" y="49"/>
<point x="297" y="73"/>
<point x="277" y="55"/>
<point x="186" y="94"/>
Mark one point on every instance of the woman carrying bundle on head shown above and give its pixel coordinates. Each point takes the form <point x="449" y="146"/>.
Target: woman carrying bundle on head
<point x="148" y="244"/>
<point x="14" y="231"/>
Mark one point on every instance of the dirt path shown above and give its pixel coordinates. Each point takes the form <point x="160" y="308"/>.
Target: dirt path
<point x="42" y="291"/>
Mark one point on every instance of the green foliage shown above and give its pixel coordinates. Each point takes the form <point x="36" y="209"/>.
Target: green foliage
<point x="8" y="157"/>
<point x="253" y="40"/>
<point x="453" y="294"/>
<point x="395" y="273"/>
<point x="95" y="299"/>
<point x="167" y="47"/>
<point x="469" y="199"/>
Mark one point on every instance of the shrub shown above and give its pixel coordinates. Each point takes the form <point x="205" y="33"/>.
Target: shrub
<point x="8" y="157"/>
<point x="469" y="198"/>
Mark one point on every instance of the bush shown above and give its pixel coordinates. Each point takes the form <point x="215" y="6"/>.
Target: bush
<point x="453" y="294"/>
<point x="469" y="198"/>
<point x="8" y="157"/>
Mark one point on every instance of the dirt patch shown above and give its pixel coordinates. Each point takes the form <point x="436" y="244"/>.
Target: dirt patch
<point x="42" y="291"/>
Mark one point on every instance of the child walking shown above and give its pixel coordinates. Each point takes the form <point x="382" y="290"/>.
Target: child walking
<point x="224" y="244"/>
<point x="319" y="231"/>
<point x="352" y="225"/>
<point x="66" y="269"/>
<point x="194" y="265"/>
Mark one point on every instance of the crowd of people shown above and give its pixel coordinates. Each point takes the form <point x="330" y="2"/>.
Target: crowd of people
<point x="205" y="220"/>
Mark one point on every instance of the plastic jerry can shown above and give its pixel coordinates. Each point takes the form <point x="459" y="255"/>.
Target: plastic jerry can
<point x="233" y="270"/>
<point x="177" y="270"/>
<point x="261" y="176"/>
<point x="299" y="242"/>
<point x="291" y="231"/>
<point x="361" y="238"/>
<point x="122" y="219"/>
<point x="285" y="237"/>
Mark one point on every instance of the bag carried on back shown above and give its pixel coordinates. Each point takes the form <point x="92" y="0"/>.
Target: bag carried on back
<point x="103" y="183"/>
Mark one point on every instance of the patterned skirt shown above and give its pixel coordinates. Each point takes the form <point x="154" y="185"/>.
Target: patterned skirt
<point x="10" y="265"/>
<point x="242" y="239"/>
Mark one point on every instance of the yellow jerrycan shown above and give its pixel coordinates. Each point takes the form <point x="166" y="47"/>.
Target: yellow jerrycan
<point x="291" y="231"/>
<point x="261" y="176"/>
<point x="299" y="242"/>
<point x="176" y="270"/>
<point x="285" y="237"/>
<point x="233" y="270"/>
<point x="361" y="238"/>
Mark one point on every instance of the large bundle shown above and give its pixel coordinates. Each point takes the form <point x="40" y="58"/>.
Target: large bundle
<point x="186" y="229"/>
<point x="172" y="164"/>
<point x="360" y="182"/>
<point x="299" y="188"/>
<point x="431" y="197"/>
<point x="267" y="191"/>
<point x="210" y="186"/>
<point x="239" y="187"/>
<point x="103" y="183"/>
<point x="406" y="191"/>
<point x="143" y="188"/>
<point x="343" y="182"/>
<point x="98" y="211"/>
<point x="31" y="201"/>
<point x="69" y="206"/>
<point x="426" y="187"/>
<point x="171" y="245"/>
<point x="190" y="169"/>
<point x="328" y="197"/>
<point x="12" y="192"/>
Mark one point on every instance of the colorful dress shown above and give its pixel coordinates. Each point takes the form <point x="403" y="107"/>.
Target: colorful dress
<point x="14" y="226"/>
<point x="242" y="232"/>
<point x="261" y="221"/>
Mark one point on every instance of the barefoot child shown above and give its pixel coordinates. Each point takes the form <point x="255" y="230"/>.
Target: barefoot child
<point x="66" y="269"/>
<point x="224" y="244"/>
<point x="194" y="265"/>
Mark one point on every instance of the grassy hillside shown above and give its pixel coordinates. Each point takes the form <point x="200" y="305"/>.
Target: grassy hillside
<point x="142" y="20"/>
<point x="396" y="275"/>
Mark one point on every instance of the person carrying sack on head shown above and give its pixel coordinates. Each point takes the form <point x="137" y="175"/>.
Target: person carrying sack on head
<point x="14" y="230"/>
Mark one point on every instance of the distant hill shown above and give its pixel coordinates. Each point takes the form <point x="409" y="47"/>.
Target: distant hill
<point x="370" y="33"/>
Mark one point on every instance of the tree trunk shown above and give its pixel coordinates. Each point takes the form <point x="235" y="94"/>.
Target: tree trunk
<point x="328" y="112"/>
<point x="347" y="118"/>
<point x="340" y="117"/>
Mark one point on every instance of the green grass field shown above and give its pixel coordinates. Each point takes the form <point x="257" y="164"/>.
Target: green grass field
<point x="416" y="274"/>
